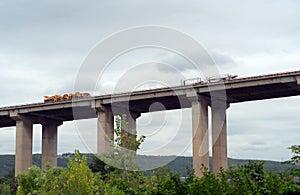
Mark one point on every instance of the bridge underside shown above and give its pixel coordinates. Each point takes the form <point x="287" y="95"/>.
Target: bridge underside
<point x="262" y="92"/>
<point x="197" y="96"/>
<point x="150" y="104"/>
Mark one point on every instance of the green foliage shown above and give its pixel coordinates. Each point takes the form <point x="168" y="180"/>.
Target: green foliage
<point x="295" y="160"/>
<point x="163" y="181"/>
<point x="27" y="180"/>
<point x="97" y="165"/>
<point x="177" y="164"/>
<point x="128" y="182"/>
<point x="245" y="179"/>
<point x="8" y="183"/>
<point x="295" y="173"/>
<point x="124" y="178"/>
<point x="78" y="178"/>
<point x="249" y="178"/>
<point x="126" y="137"/>
<point x="4" y="189"/>
<point x="252" y="179"/>
<point x="122" y="155"/>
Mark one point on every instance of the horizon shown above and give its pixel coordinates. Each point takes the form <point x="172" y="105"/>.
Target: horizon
<point x="210" y="157"/>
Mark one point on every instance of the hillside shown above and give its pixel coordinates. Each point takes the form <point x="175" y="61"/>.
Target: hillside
<point x="179" y="165"/>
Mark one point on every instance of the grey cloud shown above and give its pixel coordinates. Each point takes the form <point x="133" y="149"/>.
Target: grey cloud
<point x="257" y="143"/>
<point x="74" y="21"/>
<point x="222" y="59"/>
<point x="44" y="44"/>
<point x="7" y="140"/>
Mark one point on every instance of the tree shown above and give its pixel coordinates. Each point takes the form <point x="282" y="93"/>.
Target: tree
<point x="99" y="166"/>
<point x="8" y="184"/>
<point x="295" y="160"/>
<point x="122" y="153"/>
<point x="77" y="178"/>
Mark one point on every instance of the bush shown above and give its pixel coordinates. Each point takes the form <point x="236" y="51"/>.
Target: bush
<point x="78" y="178"/>
<point x="4" y="189"/>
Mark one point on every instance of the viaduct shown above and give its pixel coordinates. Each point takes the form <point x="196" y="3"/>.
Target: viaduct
<point x="198" y="96"/>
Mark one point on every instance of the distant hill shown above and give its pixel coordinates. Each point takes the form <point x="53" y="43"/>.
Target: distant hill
<point x="7" y="162"/>
<point x="178" y="164"/>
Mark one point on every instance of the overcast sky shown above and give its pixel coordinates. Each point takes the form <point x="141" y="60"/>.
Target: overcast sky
<point x="44" y="43"/>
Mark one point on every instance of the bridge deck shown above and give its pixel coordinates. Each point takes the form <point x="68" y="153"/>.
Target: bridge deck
<point x="237" y="90"/>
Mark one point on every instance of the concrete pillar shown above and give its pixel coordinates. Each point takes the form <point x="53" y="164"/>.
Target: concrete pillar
<point x="219" y="136"/>
<point x="200" y="134"/>
<point x="23" y="159"/>
<point x="105" y="125"/>
<point x="132" y="122"/>
<point x="49" y="143"/>
<point x="298" y="80"/>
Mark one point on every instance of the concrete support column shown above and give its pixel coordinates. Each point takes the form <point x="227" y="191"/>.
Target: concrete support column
<point x="49" y="143"/>
<point x="23" y="159"/>
<point x="132" y="122"/>
<point x="200" y="134"/>
<point x="298" y="80"/>
<point x="105" y="125"/>
<point x="219" y="136"/>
